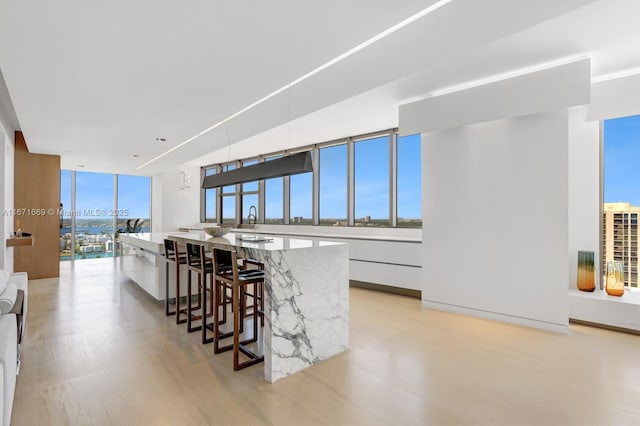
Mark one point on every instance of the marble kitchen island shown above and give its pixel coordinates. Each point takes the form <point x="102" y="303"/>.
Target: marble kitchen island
<point x="306" y="302"/>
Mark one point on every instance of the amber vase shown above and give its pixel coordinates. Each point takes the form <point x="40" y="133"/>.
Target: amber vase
<point x="586" y="271"/>
<point x="615" y="278"/>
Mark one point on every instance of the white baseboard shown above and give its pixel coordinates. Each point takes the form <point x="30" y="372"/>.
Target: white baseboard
<point x="510" y="319"/>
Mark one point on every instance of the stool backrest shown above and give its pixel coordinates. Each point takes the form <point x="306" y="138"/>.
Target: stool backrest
<point x="170" y="249"/>
<point x="224" y="260"/>
<point x="195" y="254"/>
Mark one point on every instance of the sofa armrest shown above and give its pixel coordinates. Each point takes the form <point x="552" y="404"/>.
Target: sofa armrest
<point x="21" y="280"/>
<point x="9" y="363"/>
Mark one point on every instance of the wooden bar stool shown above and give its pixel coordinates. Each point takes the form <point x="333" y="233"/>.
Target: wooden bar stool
<point x="172" y="255"/>
<point x="222" y="263"/>
<point x="197" y="262"/>
<point x="258" y="291"/>
<point x="239" y="283"/>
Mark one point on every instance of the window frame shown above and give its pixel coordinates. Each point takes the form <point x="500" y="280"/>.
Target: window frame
<point x="350" y="142"/>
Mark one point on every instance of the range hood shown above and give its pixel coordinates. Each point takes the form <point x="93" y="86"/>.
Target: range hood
<point x="290" y="165"/>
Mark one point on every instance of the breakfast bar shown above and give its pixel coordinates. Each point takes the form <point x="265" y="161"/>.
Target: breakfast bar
<point x="306" y="304"/>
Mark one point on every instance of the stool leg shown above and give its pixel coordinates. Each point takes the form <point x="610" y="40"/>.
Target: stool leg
<point x="255" y="311"/>
<point x="262" y="303"/>
<point x="198" y="295"/>
<point x="190" y="307"/>
<point x="205" y="314"/>
<point x="217" y="334"/>
<point x="166" y="290"/>
<point x="179" y="310"/>
<point x="236" y="326"/>
<point x="189" y="302"/>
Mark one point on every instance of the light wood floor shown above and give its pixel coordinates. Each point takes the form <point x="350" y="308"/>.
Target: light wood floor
<point x="98" y="350"/>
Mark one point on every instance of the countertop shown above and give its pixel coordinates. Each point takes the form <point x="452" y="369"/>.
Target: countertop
<point x="233" y="239"/>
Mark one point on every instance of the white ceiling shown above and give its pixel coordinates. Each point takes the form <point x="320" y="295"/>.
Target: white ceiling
<point x="97" y="82"/>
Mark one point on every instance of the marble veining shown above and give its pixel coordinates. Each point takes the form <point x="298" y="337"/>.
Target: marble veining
<point x="306" y="300"/>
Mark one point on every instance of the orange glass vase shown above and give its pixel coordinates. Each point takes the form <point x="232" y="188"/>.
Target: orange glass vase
<point x="586" y="271"/>
<point x="615" y="278"/>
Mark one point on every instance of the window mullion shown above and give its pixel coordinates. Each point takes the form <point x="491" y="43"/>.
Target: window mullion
<point x="350" y="183"/>
<point x="393" y="179"/>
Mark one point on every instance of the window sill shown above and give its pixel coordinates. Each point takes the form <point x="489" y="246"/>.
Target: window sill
<point x="600" y="308"/>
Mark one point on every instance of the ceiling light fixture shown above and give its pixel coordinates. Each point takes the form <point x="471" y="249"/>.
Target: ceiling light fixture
<point x="285" y="166"/>
<point x="424" y="12"/>
<point x="615" y="75"/>
<point x="505" y="76"/>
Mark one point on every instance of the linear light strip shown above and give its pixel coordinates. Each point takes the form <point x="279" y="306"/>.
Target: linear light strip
<point x="424" y="12"/>
<point x="615" y="75"/>
<point x="505" y="76"/>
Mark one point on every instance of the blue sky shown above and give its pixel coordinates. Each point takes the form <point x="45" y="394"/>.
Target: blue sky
<point x="94" y="191"/>
<point x="622" y="160"/>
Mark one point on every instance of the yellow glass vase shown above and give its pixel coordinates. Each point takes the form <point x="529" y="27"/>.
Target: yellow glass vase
<point x="615" y="278"/>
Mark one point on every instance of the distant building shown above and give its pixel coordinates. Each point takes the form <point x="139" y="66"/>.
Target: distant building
<point x="620" y="239"/>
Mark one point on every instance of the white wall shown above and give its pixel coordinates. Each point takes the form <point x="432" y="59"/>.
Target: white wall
<point x="6" y="197"/>
<point x="584" y="190"/>
<point x="179" y="207"/>
<point x="156" y="203"/>
<point x="615" y="98"/>
<point x="495" y="233"/>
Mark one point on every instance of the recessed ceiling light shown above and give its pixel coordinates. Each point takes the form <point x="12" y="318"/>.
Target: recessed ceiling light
<point x="424" y="12"/>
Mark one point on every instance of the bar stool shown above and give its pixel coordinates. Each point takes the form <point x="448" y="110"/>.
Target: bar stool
<point x="199" y="263"/>
<point x="258" y="292"/>
<point x="222" y="264"/>
<point x="239" y="283"/>
<point x="172" y="255"/>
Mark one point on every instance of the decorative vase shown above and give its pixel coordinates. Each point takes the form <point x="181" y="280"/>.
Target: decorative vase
<point x="586" y="271"/>
<point x="615" y="278"/>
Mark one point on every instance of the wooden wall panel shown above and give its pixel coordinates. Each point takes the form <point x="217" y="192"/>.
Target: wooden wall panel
<point x="37" y="188"/>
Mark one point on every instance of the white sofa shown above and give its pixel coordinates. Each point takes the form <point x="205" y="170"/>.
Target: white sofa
<point x="9" y="364"/>
<point x="9" y="348"/>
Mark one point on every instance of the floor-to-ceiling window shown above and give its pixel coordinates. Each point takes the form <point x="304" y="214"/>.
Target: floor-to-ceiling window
<point x="94" y="215"/>
<point x="66" y="242"/>
<point x="621" y="209"/>
<point x="134" y="207"/>
<point x="96" y="205"/>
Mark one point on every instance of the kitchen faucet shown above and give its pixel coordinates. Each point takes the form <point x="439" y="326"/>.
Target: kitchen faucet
<point x="253" y="215"/>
